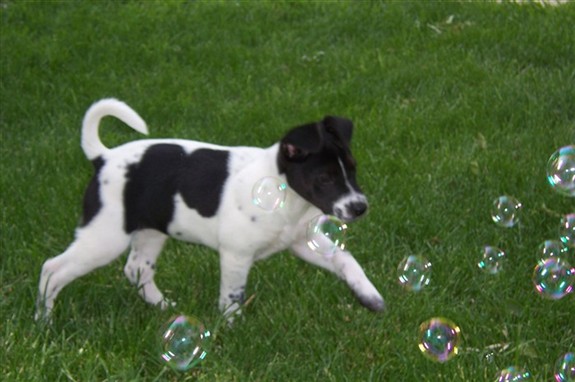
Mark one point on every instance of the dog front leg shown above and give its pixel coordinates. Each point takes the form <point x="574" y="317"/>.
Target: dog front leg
<point x="234" y="268"/>
<point x="344" y="265"/>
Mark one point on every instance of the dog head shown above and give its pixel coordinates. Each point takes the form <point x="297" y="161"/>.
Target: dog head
<point x="318" y="164"/>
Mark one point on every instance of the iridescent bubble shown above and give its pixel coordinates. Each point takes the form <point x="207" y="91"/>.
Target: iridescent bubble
<point x="492" y="260"/>
<point x="184" y="342"/>
<point x="513" y="374"/>
<point x="505" y="211"/>
<point x="439" y="339"/>
<point x="567" y="230"/>
<point x="561" y="170"/>
<point x="269" y="193"/>
<point x="565" y="368"/>
<point x="326" y="234"/>
<point x="414" y="272"/>
<point x="551" y="248"/>
<point x="554" y="278"/>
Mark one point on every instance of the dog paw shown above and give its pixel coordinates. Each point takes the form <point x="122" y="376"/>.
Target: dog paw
<point x="232" y="313"/>
<point x="166" y="303"/>
<point x="373" y="303"/>
<point x="43" y="319"/>
<point x="43" y="314"/>
<point x="233" y="319"/>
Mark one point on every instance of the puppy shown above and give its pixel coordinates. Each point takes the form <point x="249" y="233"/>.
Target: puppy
<point x="148" y="190"/>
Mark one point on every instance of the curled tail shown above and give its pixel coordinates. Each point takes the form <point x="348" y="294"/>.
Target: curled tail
<point x="91" y="143"/>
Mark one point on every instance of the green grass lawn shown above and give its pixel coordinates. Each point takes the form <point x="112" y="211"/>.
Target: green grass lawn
<point x="454" y="105"/>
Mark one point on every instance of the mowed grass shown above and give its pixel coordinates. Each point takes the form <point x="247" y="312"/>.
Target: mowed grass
<point x="454" y="105"/>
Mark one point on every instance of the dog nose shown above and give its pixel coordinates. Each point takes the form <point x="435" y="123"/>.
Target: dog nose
<point x="358" y="208"/>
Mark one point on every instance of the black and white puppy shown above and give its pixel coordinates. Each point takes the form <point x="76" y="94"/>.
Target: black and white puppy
<point x="147" y="190"/>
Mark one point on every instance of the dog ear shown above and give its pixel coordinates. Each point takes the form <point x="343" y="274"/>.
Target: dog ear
<point x="301" y="141"/>
<point x="342" y="128"/>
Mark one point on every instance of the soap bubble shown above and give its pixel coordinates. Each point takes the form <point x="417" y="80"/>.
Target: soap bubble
<point x="567" y="230"/>
<point x="561" y="170"/>
<point x="492" y="260"/>
<point x="513" y="374"/>
<point x="554" y="278"/>
<point x="184" y="342"/>
<point x="269" y="193"/>
<point x="326" y="234"/>
<point x="565" y="368"/>
<point x="551" y="248"/>
<point x="505" y="211"/>
<point x="439" y="339"/>
<point x="414" y="272"/>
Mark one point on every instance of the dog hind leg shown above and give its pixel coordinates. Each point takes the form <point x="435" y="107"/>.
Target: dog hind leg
<point x="93" y="248"/>
<point x="141" y="265"/>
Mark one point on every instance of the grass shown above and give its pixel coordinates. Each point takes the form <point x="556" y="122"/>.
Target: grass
<point x="454" y="103"/>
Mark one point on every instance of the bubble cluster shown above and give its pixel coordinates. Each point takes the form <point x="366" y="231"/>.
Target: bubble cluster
<point x="561" y="170"/>
<point x="184" y="342"/>
<point x="269" y="193"/>
<point x="414" y="273"/>
<point x="567" y="230"/>
<point x="513" y="374"/>
<point x="492" y="259"/>
<point x="565" y="368"/>
<point x="551" y="248"/>
<point x="505" y="211"/>
<point x="554" y="278"/>
<point x="326" y="234"/>
<point x="439" y="339"/>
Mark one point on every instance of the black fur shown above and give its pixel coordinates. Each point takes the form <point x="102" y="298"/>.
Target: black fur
<point x="92" y="202"/>
<point x="166" y="169"/>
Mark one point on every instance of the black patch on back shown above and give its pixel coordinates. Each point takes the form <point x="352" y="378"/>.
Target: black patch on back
<point x="92" y="202"/>
<point x="166" y="169"/>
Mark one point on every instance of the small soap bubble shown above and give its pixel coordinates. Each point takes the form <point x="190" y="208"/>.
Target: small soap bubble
<point x="554" y="278"/>
<point x="414" y="273"/>
<point x="505" y="211"/>
<point x="184" y="342"/>
<point x="269" y="193"/>
<point x="513" y="374"/>
<point x="439" y="339"/>
<point x="551" y="248"/>
<point x="565" y="368"/>
<point x="561" y="170"/>
<point x="567" y="230"/>
<point x="326" y="234"/>
<point x="492" y="260"/>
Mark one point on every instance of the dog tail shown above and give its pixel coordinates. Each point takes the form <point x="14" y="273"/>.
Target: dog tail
<point x="91" y="143"/>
